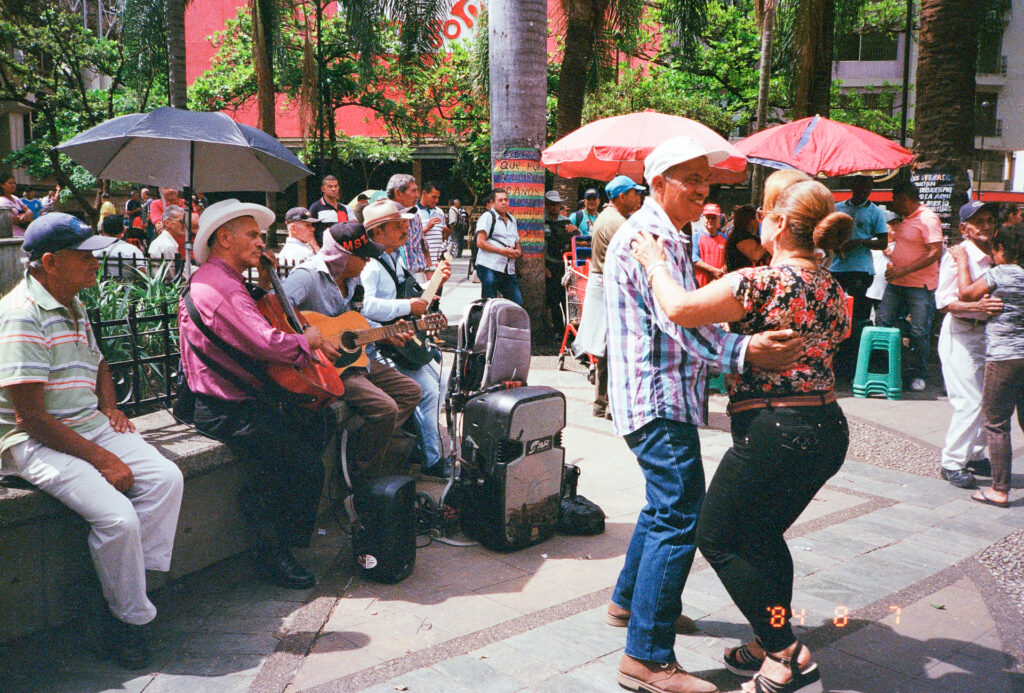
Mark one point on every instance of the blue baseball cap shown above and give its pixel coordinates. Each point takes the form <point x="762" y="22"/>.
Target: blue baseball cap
<point x="620" y="184"/>
<point x="59" y="231"/>
<point x="973" y="207"/>
<point x="591" y="192"/>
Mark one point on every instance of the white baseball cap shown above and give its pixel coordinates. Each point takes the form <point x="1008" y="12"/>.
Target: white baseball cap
<point x="676" y="150"/>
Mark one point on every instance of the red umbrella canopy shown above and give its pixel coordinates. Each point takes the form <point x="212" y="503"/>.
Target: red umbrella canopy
<point x="618" y="145"/>
<point x="823" y="147"/>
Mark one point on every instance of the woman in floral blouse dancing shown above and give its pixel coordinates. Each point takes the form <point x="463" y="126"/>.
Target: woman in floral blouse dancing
<point x="789" y="434"/>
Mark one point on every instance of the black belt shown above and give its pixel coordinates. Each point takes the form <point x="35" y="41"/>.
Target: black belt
<point x="973" y="322"/>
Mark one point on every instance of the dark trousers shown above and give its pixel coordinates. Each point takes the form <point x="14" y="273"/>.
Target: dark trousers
<point x="280" y="448"/>
<point x="600" y="385"/>
<point x="554" y="294"/>
<point x="1003" y="392"/>
<point x="855" y="284"/>
<point x="385" y="399"/>
<point x="779" y="460"/>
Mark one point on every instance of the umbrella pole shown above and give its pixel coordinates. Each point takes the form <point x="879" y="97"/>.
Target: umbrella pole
<point x="188" y="211"/>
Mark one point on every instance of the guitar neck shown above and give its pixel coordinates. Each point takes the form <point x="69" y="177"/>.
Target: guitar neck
<point x="435" y="281"/>
<point x="376" y="334"/>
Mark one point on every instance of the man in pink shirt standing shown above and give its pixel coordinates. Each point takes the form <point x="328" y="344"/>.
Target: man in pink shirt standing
<point x="913" y="274"/>
<point x="225" y="345"/>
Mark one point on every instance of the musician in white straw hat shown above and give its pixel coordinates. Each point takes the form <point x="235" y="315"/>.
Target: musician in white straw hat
<point x="384" y="279"/>
<point x="226" y="344"/>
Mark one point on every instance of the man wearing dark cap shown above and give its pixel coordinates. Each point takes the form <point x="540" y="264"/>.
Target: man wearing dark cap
<point x="61" y="430"/>
<point x="301" y="244"/>
<point x="328" y="283"/>
<point x="558" y="231"/>
<point x="584" y="219"/>
<point x="962" y="347"/>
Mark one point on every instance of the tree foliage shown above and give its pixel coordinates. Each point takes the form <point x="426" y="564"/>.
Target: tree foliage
<point x="53" y="73"/>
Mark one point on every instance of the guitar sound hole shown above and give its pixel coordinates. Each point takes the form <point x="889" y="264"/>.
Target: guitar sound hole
<point x="348" y="342"/>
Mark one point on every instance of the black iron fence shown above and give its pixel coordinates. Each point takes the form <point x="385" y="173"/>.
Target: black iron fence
<point x="140" y="341"/>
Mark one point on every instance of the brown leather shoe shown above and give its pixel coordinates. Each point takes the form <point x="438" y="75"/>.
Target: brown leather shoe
<point x="619" y="617"/>
<point x="655" y="677"/>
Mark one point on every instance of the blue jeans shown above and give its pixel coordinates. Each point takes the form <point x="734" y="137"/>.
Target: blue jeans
<point x="427" y="411"/>
<point x="661" y="551"/>
<point x="919" y="303"/>
<point x="492" y="283"/>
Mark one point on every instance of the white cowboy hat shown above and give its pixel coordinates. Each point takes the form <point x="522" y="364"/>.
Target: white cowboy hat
<point x="381" y="212"/>
<point x="220" y="213"/>
<point x="677" y="150"/>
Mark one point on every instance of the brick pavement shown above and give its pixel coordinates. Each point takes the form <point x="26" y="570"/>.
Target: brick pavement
<point x="887" y="594"/>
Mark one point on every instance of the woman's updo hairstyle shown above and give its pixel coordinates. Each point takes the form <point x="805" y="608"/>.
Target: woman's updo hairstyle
<point x="777" y="182"/>
<point x="813" y="220"/>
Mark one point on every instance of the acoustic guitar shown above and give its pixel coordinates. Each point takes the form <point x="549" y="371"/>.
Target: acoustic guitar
<point x="352" y="332"/>
<point x="419" y="351"/>
<point x="316" y="385"/>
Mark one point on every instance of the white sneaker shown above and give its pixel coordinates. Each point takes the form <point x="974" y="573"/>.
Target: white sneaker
<point x="917" y="384"/>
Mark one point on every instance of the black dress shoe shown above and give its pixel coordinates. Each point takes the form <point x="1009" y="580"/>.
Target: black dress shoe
<point x="980" y="467"/>
<point x="961" y="478"/>
<point x="281" y="568"/>
<point x="130" y="645"/>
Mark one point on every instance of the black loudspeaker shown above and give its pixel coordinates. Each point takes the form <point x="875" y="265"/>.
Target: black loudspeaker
<point x="385" y="546"/>
<point x="512" y="443"/>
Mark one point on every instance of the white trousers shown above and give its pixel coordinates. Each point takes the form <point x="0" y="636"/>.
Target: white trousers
<point x="962" y="352"/>
<point x="129" y="533"/>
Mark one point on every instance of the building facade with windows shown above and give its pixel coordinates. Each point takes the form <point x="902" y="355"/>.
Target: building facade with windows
<point x="873" y="65"/>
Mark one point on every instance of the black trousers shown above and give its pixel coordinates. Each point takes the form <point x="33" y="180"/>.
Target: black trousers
<point x="779" y="460"/>
<point x="280" y="447"/>
<point x="554" y="294"/>
<point x="855" y="284"/>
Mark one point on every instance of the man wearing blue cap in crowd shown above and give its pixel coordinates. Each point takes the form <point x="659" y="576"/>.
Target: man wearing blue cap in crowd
<point x="585" y="218"/>
<point x="61" y="430"/>
<point x="625" y="198"/>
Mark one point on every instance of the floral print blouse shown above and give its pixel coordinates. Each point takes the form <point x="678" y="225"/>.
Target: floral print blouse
<point x="810" y="302"/>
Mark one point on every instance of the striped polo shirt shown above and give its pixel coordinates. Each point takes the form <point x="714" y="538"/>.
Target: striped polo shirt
<point x="42" y="342"/>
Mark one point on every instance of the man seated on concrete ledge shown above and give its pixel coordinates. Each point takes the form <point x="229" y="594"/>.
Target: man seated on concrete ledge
<point x="280" y="445"/>
<point x="60" y="428"/>
<point x="328" y="283"/>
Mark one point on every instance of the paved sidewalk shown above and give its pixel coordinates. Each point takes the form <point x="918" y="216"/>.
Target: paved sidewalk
<point x="888" y="593"/>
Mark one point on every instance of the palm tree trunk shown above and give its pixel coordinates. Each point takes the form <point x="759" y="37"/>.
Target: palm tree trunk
<point x="518" y="66"/>
<point x="584" y="21"/>
<point x="944" y="113"/>
<point x="764" y="80"/>
<point x="263" y="30"/>
<point x="816" y="27"/>
<point x="176" y="85"/>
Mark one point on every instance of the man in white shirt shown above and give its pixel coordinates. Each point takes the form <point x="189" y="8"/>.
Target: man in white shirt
<point x="497" y="242"/>
<point x="301" y="243"/>
<point x="435" y="228"/>
<point x="381" y="277"/>
<point x="962" y="347"/>
<point x="167" y="245"/>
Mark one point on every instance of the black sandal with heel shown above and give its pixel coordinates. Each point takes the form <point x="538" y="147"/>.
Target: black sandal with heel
<point x="804" y="680"/>
<point x="742" y="662"/>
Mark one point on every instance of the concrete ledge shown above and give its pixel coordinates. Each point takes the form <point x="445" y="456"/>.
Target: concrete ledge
<point x="44" y="559"/>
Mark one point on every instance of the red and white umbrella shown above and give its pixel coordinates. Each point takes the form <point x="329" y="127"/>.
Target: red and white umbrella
<point x="618" y="145"/>
<point x="822" y="147"/>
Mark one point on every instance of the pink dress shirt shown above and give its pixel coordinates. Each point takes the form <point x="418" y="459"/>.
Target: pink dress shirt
<point x="230" y="312"/>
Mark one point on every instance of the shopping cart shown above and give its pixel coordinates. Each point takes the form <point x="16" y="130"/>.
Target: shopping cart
<point x="575" y="282"/>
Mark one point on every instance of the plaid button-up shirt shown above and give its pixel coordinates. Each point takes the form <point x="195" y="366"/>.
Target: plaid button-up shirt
<point x="415" y="260"/>
<point x="657" y="369"/>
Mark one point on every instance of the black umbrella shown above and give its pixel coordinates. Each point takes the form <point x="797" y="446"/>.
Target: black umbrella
<point x="185" y="150"/>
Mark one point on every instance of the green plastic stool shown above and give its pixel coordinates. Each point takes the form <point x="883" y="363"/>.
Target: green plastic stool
<point x="717" y="384"/>
<point x="890" y="383"/>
